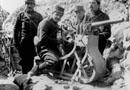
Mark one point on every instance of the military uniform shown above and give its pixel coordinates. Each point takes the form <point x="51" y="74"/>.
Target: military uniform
<point x="105" y="33"/>
<point x="47" y="47"/>
<point x="24" y="31"/>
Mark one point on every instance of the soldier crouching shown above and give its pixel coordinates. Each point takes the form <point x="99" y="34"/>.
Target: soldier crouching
<point x="47" y="47"/>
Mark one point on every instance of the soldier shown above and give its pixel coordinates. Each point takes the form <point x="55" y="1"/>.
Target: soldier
<point x="79" y="13"/>
<point x="104" y="34"/>
<point x="96" y="16"/>
<point x="48" y="42"/>
<point x="24" y="31"/>
<point x="75" y="24"/>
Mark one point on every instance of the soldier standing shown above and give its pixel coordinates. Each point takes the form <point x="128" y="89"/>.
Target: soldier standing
<point x="96" y="16"/>
<point x="24" y="31"/>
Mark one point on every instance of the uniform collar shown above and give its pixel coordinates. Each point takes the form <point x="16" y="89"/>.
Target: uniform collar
<point x="97" y="12"/>
<point x="53" y="21"/>
<point x="29" y="12"/>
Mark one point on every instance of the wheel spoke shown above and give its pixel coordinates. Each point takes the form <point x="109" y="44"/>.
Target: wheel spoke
<point x="84" y="74"/>
<point x="85" y="66"/>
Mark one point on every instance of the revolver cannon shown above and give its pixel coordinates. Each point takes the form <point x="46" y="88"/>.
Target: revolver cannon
<point x="91" y="65"/>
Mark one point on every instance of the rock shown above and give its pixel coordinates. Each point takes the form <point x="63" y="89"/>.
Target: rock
<point x="127" y="80"/>
<point x="8" y="87"/>
<point x="7" y="84"/>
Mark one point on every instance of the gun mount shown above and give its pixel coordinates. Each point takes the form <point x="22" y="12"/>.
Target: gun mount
<point x="88" y="63"/>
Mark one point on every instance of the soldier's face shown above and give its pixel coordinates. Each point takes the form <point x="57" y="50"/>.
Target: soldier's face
<point x="79" y="14"/>
<point x="30" y="6"/>
<point x="93" y="5"/>
<point x="57" y="16"/>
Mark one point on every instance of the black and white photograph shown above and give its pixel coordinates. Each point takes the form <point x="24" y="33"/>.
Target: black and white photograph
<point x="64" y="44"/>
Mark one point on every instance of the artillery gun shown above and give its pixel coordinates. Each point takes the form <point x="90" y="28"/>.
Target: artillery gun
<point x="91" y="65"/>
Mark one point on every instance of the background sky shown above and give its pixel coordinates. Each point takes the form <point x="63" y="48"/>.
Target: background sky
<point x="11" y="5"/>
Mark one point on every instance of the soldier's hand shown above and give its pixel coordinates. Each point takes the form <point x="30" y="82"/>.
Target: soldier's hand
<point x="96" y="31"/>
<point x="101" y="28"/>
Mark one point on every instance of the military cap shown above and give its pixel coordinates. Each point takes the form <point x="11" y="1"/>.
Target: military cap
<point x="98" y="1"/>
<point x="29" y="1"/>
<point x="58" y="8"/>
<point x="78" y="8"/>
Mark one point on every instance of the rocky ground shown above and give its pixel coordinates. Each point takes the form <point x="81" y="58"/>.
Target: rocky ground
<point x="114" y="9"/>
<point x="45" y="83"/>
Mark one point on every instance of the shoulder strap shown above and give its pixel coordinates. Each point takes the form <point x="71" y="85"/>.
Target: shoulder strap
<point x="30" y="19"/>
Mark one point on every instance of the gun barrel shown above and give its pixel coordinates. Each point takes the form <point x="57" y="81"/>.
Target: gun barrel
<point x="106" y="22"/>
